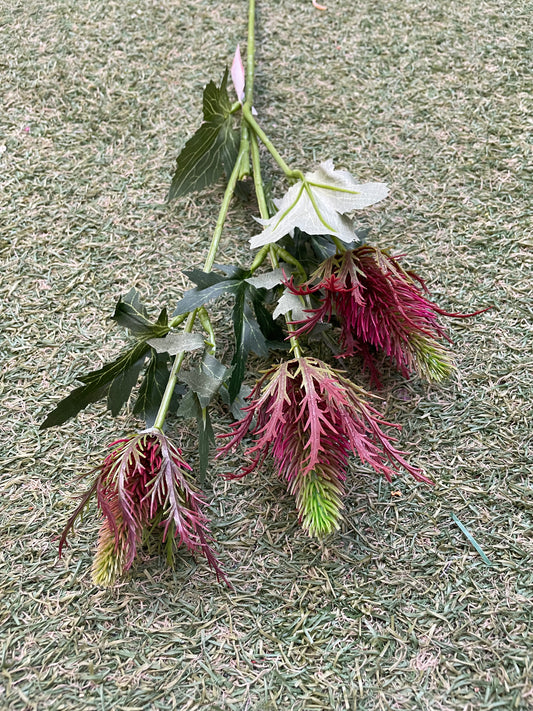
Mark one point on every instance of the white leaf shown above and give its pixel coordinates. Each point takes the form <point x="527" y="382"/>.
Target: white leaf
<point x="268" y="280"/>
<point x="174" y="343"/>
<point x="290" y="302"/>
<point x="318" y="205"/>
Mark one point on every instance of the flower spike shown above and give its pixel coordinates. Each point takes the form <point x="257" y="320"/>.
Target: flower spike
<point x="310" y="418"/>
<point x="380" y="307"/>
<point x="143" y="481"/>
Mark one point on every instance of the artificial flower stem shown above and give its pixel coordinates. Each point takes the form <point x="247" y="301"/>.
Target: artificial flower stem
<point x="256" y="128"/>
<point x="208" y="265"/>
<point x="173" y="378"/>
<point x="215" y="241"/>
<point x="228" y="194"/>
<point x="341" y="248"/>
<point x="263" y="210"/>
<point x="250" y="55"/>
<point x="256" y="160"/>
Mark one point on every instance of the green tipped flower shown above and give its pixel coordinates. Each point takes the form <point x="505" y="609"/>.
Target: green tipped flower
<point x="110" y="559"/>
<point x="143" y="481"/>
<point x="311" y="418"/>
<point x="318" y="502"/>
<point x="381" y="308"/>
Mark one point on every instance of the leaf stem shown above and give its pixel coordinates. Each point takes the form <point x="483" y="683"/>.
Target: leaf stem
<point x="256" y="128"/>
<point x="250" y="55"/>
<point x="263" y="210"/>
<point x="208" y="265"/>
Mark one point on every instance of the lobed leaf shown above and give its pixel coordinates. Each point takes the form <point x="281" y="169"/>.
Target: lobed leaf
<point x="212" y="150"/>
<point x="130" y="313"/>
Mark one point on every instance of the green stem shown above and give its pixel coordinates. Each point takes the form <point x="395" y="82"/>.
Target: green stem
<point x="256" y="128"/>
<point x="173" y="378"/>
<point x="208" y="265"/>
<point x="341" y="247"/>
<point x="250" y="55"/>
<point x="263" y="210"/>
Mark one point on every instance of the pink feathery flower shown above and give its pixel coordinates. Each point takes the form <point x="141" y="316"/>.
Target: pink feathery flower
<point x="144" y="481"/>
<point x="380" y="307"/>
<point x="311" y="418"/>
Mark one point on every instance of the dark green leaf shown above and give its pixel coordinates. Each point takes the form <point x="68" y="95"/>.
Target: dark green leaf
<point x="212" y="149"/>
<point x="132" y="314"/>
<point x="206" y="438"/>
<point x="248" y="337"/>
<point x="228" y="144"/>
<point x="152" y="387"/>
<point x="233" y="271"/>
<point x="216" y="103"/>
<point x="190" y="407"/>
<point x="121" y="387"/>
<point x="269" y="328"/>
<point x="203" y="279"/>
<point x="95" y="386"/>
<point x="199" y="164"/>
<point x="195" y="298"/>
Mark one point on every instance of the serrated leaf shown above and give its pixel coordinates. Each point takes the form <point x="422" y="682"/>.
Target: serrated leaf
<point x="191" y="407"/>
<point x="212" y="149"/>
<point x="174" y="343"/>
<point x="132" y="314"/>
<point x="121" y="387"/>
<point x="152" y="387"/>
<point x="95" y="386"/>
<point x="318" y="204"/>
<point x="238" y="403"/>
<point x="269" y="328"/>
<point x="234" y="271"/>
<point x="290" y="302"/>
<point x="216" y="101"/>
<point x="248" y="337"/>
<point x="203" y="279"/>
<point x="195" y="298"/>
<point x="214" y="368"/>
<point x="205" y="380"/>
<point x="267" y="280"/>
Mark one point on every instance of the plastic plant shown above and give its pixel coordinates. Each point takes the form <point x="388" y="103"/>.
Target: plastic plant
<point x="309" y="279"/>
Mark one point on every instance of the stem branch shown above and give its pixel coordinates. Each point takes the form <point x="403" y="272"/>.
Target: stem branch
<point x="208" y="265"/>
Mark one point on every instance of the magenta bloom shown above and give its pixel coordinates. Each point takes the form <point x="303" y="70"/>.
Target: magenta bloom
<point x="311" y="418"/>
<point x="381" y="308"/>
<point x="144" y="481"/>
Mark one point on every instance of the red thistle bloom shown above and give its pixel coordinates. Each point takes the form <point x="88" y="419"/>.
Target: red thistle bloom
<point x="311" y="418"/>
<point x="380" y="307"/>
<point x="144" y="481"/>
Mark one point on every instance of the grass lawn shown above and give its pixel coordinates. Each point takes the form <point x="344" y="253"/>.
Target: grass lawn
<point x="398" y="611"/>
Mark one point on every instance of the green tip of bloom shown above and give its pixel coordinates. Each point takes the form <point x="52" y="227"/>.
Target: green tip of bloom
<point x="433" y="361"/>
<point x="110" y="559"/>
<point x="318" y="501"/>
